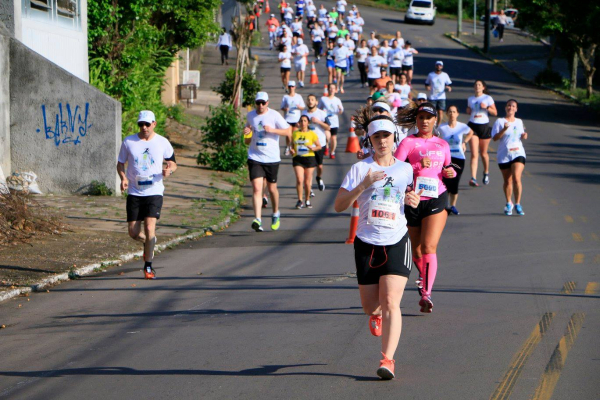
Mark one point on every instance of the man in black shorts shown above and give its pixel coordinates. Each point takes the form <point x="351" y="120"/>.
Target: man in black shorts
<point x="145" y="153"/>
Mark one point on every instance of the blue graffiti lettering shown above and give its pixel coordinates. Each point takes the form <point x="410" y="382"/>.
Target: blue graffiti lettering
<point x="69" y="125"/>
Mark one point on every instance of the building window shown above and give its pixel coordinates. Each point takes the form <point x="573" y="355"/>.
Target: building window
<point x="65" y="13"/>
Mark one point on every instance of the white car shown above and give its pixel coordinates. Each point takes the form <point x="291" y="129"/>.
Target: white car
<point x="420" y="11"/>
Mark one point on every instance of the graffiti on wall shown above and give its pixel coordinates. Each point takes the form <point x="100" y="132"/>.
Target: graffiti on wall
<point x="68" y="125"/>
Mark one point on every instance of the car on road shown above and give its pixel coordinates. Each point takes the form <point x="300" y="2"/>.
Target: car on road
<point x="421" y="11"/>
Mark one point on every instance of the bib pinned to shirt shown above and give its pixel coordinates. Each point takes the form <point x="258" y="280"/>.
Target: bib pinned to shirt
<point x="429" y="186"/>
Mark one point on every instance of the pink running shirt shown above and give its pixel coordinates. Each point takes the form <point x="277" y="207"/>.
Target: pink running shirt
<point x="413" y="149"/>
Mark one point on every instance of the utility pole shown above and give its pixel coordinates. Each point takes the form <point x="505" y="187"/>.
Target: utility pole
<point x="460" y="12"/>
<point x="486" y="35"/>
<point x="474" y="17"/>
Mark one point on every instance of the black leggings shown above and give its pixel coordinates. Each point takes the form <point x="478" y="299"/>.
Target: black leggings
<point x="362" y="67"/>
<point x="318" y="48"/>
<point x="224" y="53"/>
<point x="452" y="183"/>
<point x="500" y="29"/>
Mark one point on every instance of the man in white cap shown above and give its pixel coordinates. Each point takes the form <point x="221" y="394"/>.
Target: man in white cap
<point x="289" y="103"/>
<point x="340" y="56"/>
<point x="437" y="82"/>
<point x="263" y="128"/>
<point x="421" y="98"/>
<point x="300" y="52"/>
<point x="145" y="154"/>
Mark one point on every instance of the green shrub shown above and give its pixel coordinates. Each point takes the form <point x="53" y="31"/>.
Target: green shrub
<point x="222" y="142"/>
<point x="250" y="86"/>
<point x="98" y="188"/>
<point x="176" y="112"/>
<point x="549" y="77"/>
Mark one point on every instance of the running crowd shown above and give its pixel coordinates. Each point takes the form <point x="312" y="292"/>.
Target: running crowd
<point x="406" y="181"/>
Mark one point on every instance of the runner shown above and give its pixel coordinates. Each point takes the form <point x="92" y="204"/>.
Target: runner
<point x="393" y="98"/>
<point x="272" y="25"/>
<point x="404" y="89"/>
<point x="430" y="159"/>
<point x="300" y="4"/>
<point x="332" y="105"/>
<point x="332" y="31"/>
<point x="297" y="29"/>
<point x="306" y="143"/>
<point x="354" y="32"/>
<point x="330" y="62"/>
<point x="334" y="15"/>
<point x="374" y="65"/>
<point x="395" y="57"/>
<point x="288" y="16"/>
<point x="361" y="58"/>
<point x="311" y="14"/>
<point x="373" y="41"/>
<point x="282" y="7"/>
<point x="457" y="135"/>
<point x="224" y="44"/>
<point x="343" y="31"/>
<point x="300" y="53"/>
<point x="480" y="107"/>
<point x="360" y="22"/>
<point x="145" y="153"/>
<point x="381" y="83"/>
<point x="285" y="58"/>
<point x="384" y="50"/>
<point x="322" y="14"/>
<point x="341" y="54"/>
<point x="291" y="102"/>
<point x="349" y="44"/>
<point x="263" y="128"/>
<point x="382" y="250"/>
<point x="437" y="82"/>
<point x="421" y="98"/>
<point x="318" y="124"/>
<point x="510" y="132"/>
<point x="399" y="39"/>
<point x="407" y="62"/>
<point x="317" y="36"/>
<point x="341" y="8"/>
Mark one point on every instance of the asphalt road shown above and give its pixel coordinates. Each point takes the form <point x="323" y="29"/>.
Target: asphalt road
<point x="277" y="315"/>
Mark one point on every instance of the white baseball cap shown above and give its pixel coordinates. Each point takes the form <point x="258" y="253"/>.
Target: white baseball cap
<point x="382" y="105"/>
<point x="340" y="41"/>
<point x="146" y="116"/>
<point x="381" y="125"/>
<point x="264" y="96"/>
<point x="293" y="117"/>
<point x="291" y="83"/>
<point x="439" y="63"/>
<point x="421" y="96"/>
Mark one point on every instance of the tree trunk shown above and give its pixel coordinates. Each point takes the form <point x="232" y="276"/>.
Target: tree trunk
<point x="551" y="55"/>
<point x="587" y="59"/>
<point x="574" y="62"/>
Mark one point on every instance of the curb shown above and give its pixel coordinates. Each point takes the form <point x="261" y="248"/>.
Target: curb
<point x="91" y="268"/>
<point x="518" y="75"/>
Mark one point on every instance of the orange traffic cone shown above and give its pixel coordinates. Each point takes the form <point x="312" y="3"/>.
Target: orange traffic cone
<point x="353" y="223"/>
<point x="353" y="145"/>
<point x="325" y="91"/>
<point x="314" y="78"/>
<point x="267" y="8"/>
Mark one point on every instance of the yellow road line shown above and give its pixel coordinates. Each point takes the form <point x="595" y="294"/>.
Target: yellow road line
<point x="578" y="258"/>
<point x="506" y="385"/>
<point x="577" y="237"/>
<point x="592" y="288"/>
<point x="558" y="359"/>
<point x="568" y="219"/>
<point x="568" y="287"/>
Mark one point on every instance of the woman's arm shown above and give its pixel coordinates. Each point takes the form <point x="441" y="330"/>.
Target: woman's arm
<point x="345" y="198"/>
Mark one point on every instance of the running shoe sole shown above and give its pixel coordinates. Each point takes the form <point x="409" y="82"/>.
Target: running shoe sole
<point x="426" y="306"/>
<point x="385" y="373"/>
<point x="256" y="226"/>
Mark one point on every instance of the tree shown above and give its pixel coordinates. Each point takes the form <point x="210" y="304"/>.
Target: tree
<point x="576" y="25"/>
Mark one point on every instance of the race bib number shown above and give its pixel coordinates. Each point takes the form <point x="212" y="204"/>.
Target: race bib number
<point x="144" y="181"/>
<point x="383" y="213"/>
<point x="429" y="186"/>
<point x="303" y="150"/>
<point x="514" y="148"/>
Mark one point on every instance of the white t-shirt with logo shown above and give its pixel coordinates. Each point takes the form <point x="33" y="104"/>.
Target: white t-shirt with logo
<point x="454" y="137"/>
<point x="354" y="31"/>
<point x="408" y="56"/>
<point x="390" y="190"/>
<point x="144" y="160"/>
<point x="296" y="27"/>
<point x="361" y="54"/>
<point x="479" y="115"/>
<point x="374" y="64"/>
<point x="395" y="57"/>
<point x="317" y="34"/>
<point x="373" y="43"/>
<point x="332" y="107"/>
<point x="285" y="58"/>
<point x="264" y="147"/>
<point x="341" y="54"/>
<point x="341" y="5"/>
<point x="292" y="102"/>
<point x="321" y="116"/>
<point x="438" y="83"/>
<point x="510" y="145"/>
<point x="384" y="51"/>
<point x="300" y="53"/>
<point x="404" y="91"/>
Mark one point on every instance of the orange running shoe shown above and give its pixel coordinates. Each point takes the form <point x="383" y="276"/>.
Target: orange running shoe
<point x="375" y="325"/>
<point x="386" y="368"/>
<point x="149" y="273"/>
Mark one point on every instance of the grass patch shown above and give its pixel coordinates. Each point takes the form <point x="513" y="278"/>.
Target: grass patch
<point x="192" y="120"/>
<point x="256" y="39"/>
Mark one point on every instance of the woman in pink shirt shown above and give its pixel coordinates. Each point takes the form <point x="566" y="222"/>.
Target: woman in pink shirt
<point x="429" y="156"/>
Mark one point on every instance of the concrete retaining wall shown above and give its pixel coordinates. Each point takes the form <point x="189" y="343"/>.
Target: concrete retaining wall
<point x="63" y="129"/>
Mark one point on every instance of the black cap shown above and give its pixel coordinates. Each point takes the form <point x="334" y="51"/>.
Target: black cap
<point x="427" y="108"/>
<point x="408" y="42"/>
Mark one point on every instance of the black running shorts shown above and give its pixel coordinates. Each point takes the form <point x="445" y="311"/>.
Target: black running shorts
<point x="414" y="216"/>
<point x="507" y="165"/>
<point x="334" y="131"/>
<point x="482" y="131"/>
<point x="304" y="162"/>
<point x="319" y="155"/>
<point x="263" y="170"/>
<point x="141" y="207"/>
<point x="373" y="262"/>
